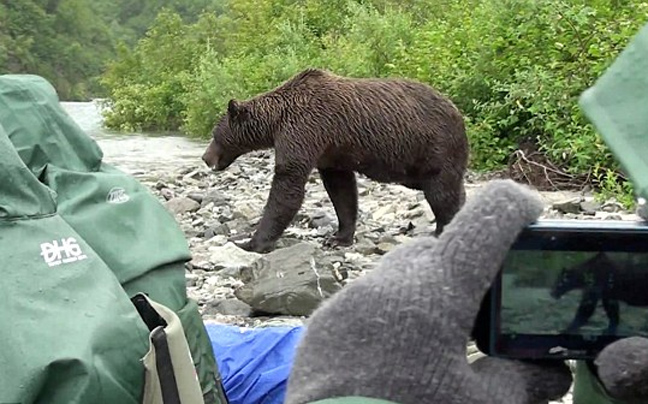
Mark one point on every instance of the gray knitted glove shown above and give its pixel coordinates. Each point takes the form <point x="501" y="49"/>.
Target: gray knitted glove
<point x="623" y="369"/>
<point x="400" y="332"/>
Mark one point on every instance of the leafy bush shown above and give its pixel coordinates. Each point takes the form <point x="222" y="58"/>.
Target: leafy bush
<point x="514" y="67"/>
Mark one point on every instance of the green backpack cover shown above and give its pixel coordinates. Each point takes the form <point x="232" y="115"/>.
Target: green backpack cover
<point x="117" y="219"/>
<point x="70" y="333"/>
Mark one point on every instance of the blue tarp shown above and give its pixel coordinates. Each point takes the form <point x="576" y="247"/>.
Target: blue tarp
<point x="254" y="362"/>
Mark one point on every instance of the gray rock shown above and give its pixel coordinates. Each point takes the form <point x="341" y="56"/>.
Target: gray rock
<point x="612" y="207"/>
<point x="590" y="207"/>
<point x="383" y="248"/>
<point x="385" y="211"/>
<point x="228" y="307"/>
<point x="225" y="215"/>
<point x="195" y="175"/>
<point x="363" y="190"/>
<point x="198" y="263"/>
<point x="167" y="193"/>
<point x="386" y="238"/>
<point x="320" y="219"/>
<point x="235" y="170"/>
<point x="365" y="246"/>
<point x="181" y="204"/>
<point x="231" y="257"/>
<point x="232" y="272"/>
<point x="572" y="205"/>
<point x="192" y="279"/>
<point x="414" y="213"/>
<point x="189" y="230"/>
<point x="291" y="281"/>
<point x="185" y="170"/>
<point x="246" y="212"/>
<point x="401" y="239"/>
<point x="241" y="226"/>
<point x="287" y="241"/>
<point x="324" y="231"/>
<point x="196" y="196"/>
<point x="216" y="230"/>
<point x="280" y="321"/>
<point x="214" y="196"/>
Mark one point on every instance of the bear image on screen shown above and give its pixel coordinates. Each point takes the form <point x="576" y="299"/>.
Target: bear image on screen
<point x="574" y="292"/>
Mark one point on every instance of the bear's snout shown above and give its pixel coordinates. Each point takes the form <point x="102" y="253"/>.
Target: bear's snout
<point x="209" y="160"/>
<point x="210" y="157"/>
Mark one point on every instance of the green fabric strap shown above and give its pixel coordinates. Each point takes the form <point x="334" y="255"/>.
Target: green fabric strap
<point x="588" y="389"/>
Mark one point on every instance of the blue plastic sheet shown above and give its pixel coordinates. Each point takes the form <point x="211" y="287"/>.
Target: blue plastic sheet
<point x="254" y="362"/>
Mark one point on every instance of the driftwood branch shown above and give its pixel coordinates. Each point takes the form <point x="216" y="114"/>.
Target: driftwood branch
<point x="535" y="169"/>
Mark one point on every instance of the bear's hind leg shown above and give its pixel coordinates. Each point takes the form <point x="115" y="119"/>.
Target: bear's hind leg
<point x="446" y="195"/>
<point x="343" y="192"/>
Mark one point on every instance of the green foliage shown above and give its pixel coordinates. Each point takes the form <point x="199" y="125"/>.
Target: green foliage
<point x="161" y="63"/>
<point x="514" y="67"/>
<point x="69" y="41"/>
<point x="64" y="41"/>
<point x="612" y="185"/>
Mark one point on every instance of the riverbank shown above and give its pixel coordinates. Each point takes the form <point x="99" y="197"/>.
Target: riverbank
<point x="213" y="208"/>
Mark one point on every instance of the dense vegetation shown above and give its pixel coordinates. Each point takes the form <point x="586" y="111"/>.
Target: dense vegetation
<point x="514" y="67"/>
<point x="69" y="41"/>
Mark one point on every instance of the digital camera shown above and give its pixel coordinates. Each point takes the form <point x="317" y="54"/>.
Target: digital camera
<point x="566" y="289"/>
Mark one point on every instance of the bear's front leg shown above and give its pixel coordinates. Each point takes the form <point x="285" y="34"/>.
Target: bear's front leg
<point x="285" y="199"/>
<point x="586" y="308"/>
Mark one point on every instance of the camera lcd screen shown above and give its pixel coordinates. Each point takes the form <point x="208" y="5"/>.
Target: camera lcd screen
<point x="565" y="294"/>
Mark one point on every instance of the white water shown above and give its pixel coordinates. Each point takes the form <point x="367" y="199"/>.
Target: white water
<point x="136" y="152"/>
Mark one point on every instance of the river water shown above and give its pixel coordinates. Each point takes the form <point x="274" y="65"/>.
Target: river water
<point x="136" y="152"/>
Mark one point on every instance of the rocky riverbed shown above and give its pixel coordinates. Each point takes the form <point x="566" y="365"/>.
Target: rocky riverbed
<point x="248" y="289"/>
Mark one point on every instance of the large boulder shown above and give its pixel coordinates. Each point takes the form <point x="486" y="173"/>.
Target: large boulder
<point x="291" y="281"/>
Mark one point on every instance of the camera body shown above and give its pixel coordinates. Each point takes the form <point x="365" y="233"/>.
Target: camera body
<point x="567" y="289"/>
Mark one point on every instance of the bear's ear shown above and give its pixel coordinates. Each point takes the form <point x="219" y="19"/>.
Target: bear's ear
<point x="236" y="110"/>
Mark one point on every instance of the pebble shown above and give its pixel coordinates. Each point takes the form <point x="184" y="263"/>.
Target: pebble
<point x="228" y="307"/>
<point x="180" y="205"/>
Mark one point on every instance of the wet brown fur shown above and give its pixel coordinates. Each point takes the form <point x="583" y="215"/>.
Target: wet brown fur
<point x="391" y="130"/>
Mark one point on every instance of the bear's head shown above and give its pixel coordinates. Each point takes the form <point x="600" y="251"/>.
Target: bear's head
<point x="229" y="140"/>
<point x="238" y="132"/>
<point x="222" y="150"/>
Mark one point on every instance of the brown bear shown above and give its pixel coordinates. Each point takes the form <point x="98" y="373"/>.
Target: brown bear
<point x="391" y="130"/>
